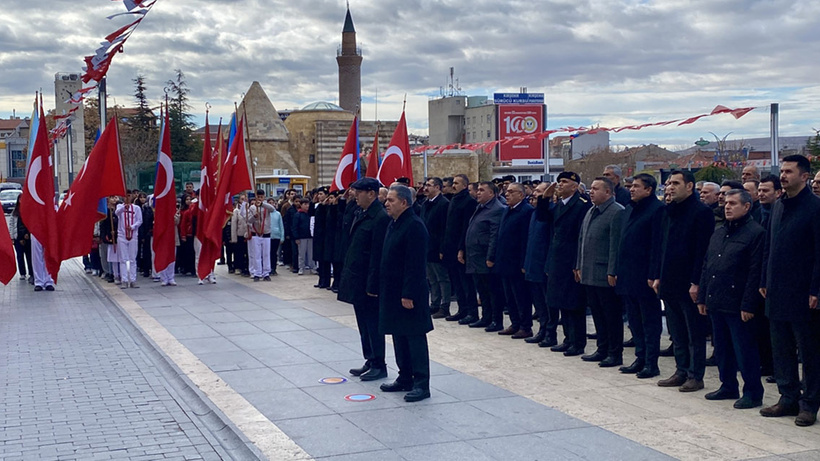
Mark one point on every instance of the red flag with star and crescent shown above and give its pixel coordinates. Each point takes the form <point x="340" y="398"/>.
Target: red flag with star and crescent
<point x="347" y="171"/>
<point x="101" y="176"/>
<point x="233" y="179"/>
<point x="37" y="202"/>
<point x="396" y="160"/>
<point x="165" y="202"/>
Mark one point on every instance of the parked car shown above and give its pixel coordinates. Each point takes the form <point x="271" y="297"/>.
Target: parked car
<point x="8" y="198"/>
<point x="10" y="185"/>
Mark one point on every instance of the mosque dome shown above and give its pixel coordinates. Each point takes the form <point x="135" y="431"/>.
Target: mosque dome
<point x="321" y="105"/>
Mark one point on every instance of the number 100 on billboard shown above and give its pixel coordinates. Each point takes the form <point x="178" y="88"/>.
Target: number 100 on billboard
<point x="516" y="120"/>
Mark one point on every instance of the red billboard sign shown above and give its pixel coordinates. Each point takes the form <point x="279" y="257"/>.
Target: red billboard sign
<point x="515" y="120"/>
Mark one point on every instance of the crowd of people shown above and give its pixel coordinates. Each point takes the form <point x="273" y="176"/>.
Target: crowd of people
<point x="737" y="262"/>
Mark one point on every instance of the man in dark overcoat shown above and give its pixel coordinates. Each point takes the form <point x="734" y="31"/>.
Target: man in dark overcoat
<point x="459" y="212"/>
<point x="360" y="276"/>
<point x="563" y="292"/>
<point x="538" y="242"/>
<point x="403" y="295"/>
<point x="434" y="215"/>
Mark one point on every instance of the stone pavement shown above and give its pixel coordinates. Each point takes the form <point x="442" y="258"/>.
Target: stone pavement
<point x="256" y="353"/>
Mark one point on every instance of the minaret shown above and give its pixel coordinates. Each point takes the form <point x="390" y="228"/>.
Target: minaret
<point x="349" y="58"/>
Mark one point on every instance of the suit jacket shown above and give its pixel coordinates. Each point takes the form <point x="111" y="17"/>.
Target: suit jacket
<point x="319" y="231"/>
<point x="598" y="243"/>
<point x="622" y="196"/>
<point x="511" y="242"/>
<point x="360" y="275"/>
<point x="538" y="244"/>
<point x="434" y="215"/>
<point x="640" y="232"/>
<point x="404" y="264"/>
<point x="481" y="237"/>
<point x="563" y="292"/>
<point x="458" y="217"/>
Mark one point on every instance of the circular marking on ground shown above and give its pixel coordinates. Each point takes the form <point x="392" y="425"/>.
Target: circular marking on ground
<point x="359" y="397"/>
<point x="333" y="380"/>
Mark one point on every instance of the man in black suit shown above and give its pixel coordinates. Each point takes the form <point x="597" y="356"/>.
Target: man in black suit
<point x="458" y="217"/>
<point x="563" y="292"/>
<point x="507" y="260"/>
<point x="360" y="277"/>
<point x="475" y="253"/>
<point x="538" y="241"/>
<point x="791" y="285"/>
<point x="403" y="297"/>
<point x="434" y="215"/>
<point x="675" y="269"/>
<point x="641" y="227"/>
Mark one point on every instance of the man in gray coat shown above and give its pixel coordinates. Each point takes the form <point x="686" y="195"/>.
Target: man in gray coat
<point x="595" y="270"/>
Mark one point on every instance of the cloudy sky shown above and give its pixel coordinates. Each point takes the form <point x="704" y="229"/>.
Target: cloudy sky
<point x="610" y="62"/>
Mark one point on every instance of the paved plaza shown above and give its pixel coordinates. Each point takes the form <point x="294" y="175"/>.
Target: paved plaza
<point x="233" y="371"/>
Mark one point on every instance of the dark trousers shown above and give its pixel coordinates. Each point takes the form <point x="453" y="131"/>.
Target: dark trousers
<point x="229" y="254"/>
<point x="787" y="339"/>
<point x="607" y="314"/>
<point x="144" y="256"/>
<point x="465" y="289"/>
<point x="185" y="258"/>
<point x="413" y="360"/>
<point x="23" y="251"/>
<point x="324" y="273"/>
<point x="94" y="259"/>
<point x="367" y="319"/>
<point x="763" y="337"/>
<point x="736" y="349"/>
<point x="240" y="255"/>
<point x="688" y="330"/>
<point x="490" y="309"/>
<point x="294" y="259"/>
<point x="575" y="327"/>
<point x="337" y="273"/>
<point x="644" y="313"/>
<point x="287" y="252"/>
<point x="519" y="301"/>
<point x="439" y="281"/>
<point x="274" y="255"/>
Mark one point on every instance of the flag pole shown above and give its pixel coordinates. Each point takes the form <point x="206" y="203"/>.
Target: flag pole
<point x="248" y="145"/>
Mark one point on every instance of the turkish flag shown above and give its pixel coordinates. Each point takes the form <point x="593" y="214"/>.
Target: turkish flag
<point x="396" y="161"/>
<point x="233" y="179"/>
<point x="165" y="202"/>
<point x="8" y="263"/>
<point x="37" y="202"/>
<point x="101" y="176"/>
<point x="205" y="189"/>
<point x="373" y="160"/>
<point x="347" y="171"/>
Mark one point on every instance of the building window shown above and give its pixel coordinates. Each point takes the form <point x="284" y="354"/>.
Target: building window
<point x="489" y="118"/>
<point x="488" y="134"/>
<point x="18" y="164"/>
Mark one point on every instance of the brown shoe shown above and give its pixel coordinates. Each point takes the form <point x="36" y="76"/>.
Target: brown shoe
<point x="441" y="314"/>
<point x="778" y="409"/>
<point x="692" y="385"/>
<point x="521" y="334"/>
<point x="805" y="418"/>
<point x="675" y="380"/>
<point x="508" y="331"/>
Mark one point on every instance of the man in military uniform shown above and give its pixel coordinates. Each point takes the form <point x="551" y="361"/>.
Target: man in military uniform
<point x="360" y="277"/>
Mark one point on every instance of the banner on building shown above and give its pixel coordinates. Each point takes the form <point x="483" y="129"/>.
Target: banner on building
<point x="515" y="121"/>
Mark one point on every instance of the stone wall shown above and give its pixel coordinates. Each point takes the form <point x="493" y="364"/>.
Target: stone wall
<point x="446" y="164"/>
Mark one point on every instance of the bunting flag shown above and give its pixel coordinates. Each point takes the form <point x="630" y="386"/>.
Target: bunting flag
<point x="101" y="176"/>
<point x="8" y="263"/>
<point x="165" y="201"/>
<point x="233" y="179"/>
<point x="37" y="202"/>
<point x="486" y="146"/>
<point x="396" y="162"/>
<point x="347" y="171"/>
<point x="373" y="161"/>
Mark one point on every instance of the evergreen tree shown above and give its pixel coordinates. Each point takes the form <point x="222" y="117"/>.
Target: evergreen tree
<point x="185" y="145"/>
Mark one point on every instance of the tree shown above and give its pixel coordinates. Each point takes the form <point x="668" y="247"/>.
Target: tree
<point x="715" y="174"/>
<point x="184" y="144"/>
<point x="91" y="120"/>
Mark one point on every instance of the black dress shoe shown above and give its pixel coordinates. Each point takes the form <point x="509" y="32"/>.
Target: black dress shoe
<point x="456" y="317"/>
<point x="668" y="352"/>
<point x="468" y="320"/>
<point x="537" y="338"/>
<point x="396" y="386"/>
<point x="611" y="362"/>
<point x="359" y="371"/>
<point x="38" y="288"/>
<point x="416" y="395"/>
<point x="573" y="351"/>
<point x="547" y="342"/>
<point x="592" y="335"/>
<point x="771" y="379"/>
<point x="722" y="394"/>
<point x="711" y="361"/>
<point x="480" y="324"/>
<point x="492" y="327"/>
<point x="648" y="372"/>
<point x="335" y="290"/>
<point x="636" y="366"/>
<point x="629" y="342"/>
<point x="594" y="357"/>
<point x="373" y="374"/>
<point x="563" y="347"/>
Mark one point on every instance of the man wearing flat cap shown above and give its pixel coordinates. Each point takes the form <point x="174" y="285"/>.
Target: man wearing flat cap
<point x="360" y="276"/>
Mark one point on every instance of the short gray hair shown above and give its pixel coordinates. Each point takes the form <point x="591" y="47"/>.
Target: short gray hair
<point x="615" y="169"/>
<point x="403" y="193"/>
<point x="745" y="197"/>
<point x="711" y="184"/>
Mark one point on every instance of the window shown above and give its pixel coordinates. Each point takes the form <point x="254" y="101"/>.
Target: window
<point x="489" y="119"/>
<point x="488" y="134"/>
<point x="18" y="164"/>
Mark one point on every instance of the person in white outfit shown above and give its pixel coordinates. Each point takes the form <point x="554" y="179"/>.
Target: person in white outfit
<point x="259" y="221"/>
<point x="130" y="219"/>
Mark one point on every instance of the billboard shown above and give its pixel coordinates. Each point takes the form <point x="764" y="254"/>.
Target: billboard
<point x="515" y="120"/>
<point x="518" y="98"/>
